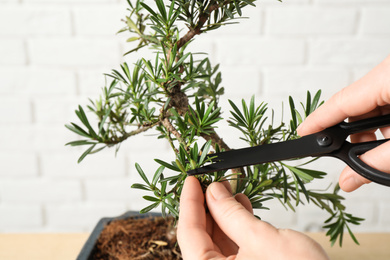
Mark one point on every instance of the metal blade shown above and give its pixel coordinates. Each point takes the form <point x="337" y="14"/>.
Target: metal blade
<point x="305" y="146"/>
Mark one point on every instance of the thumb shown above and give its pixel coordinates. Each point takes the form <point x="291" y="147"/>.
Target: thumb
<point x="232" y="217"/>
<point x="377" y="158"/>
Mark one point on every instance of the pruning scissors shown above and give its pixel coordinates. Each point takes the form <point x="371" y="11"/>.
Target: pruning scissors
<point x="329" y="142"/>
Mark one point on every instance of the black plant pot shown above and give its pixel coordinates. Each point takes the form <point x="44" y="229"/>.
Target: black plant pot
<point x="87" y="250"/>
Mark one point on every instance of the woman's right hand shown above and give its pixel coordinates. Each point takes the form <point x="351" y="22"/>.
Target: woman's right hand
<point x="367" y="97"/>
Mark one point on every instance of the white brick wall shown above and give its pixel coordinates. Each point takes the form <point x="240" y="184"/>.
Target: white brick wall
<point x="53" y="54"/>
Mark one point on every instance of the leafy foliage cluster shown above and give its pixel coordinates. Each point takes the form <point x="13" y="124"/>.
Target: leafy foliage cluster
<point x="177" y="93"/>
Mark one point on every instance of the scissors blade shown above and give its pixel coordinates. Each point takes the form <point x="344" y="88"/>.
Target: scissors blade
<point x="310" y="145"/>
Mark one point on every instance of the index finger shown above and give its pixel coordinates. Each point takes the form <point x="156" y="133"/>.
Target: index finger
<point x="191" y="229"/>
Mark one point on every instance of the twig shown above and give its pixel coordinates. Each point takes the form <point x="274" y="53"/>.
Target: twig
<point x="203" y="17"/>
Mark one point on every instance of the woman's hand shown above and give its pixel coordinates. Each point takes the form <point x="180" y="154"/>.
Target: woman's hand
<point x="230" y="231"/>
<point x="367" y="97"/>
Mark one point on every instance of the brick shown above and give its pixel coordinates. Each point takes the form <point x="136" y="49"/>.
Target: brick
<point x="80" y="216"/>
<point x="351" y="2"/>
<point x="310" y="20"/>
<point x="146" y="145"/>
<point x="137" y="202"/>
<point x="34" y="20"/>
<point x="12" y="52"/>
<point x="11" y="165"/>
<point x="20" y="217"/>
<point x="91" y="82"/>
<point x="64" y="164"/>
<point x="24" y="136"/>
<point x="278" y="3"/>
<point x="74" y="52"/>
<point x="39" y="191"/>
<point x="115" y="189"/>
<point x="375" y="21"/>
<point x="99" y="20"/>
<point x="145" y="157"/>
<point x="50" y="138"/>
<point x="260" y="52"/>
<point x="362" y="209"/>
<point x="28" y="81"/>
<point x="297" y="81"/>
<point x="359" y="52"/>
<point x="243" y="81"/>
<point x="202" y="44"/>
<point x="249" y="24"/>
<point x="54" y="110"/>
<point x="93" y="2"/>
<point x="16" y="110"/>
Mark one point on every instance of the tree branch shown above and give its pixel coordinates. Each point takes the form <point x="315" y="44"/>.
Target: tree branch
<point x="216" y="140"/>
<point x="170" y="128"/>
<point x="134" y="132"/>
<point x="203" y="17"/>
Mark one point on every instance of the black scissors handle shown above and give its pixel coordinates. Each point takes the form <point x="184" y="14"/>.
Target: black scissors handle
<point x="350" y="152"/>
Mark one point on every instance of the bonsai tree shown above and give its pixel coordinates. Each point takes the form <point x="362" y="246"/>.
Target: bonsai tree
<point x="177" y="93"/>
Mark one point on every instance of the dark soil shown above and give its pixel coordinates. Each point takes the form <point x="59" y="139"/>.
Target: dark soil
<point x="139" y="239"/>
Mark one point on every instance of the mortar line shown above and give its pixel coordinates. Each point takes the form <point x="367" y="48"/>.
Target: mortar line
<point x="39" y="164"/>
<point x="44" y="216"/>
<point x="356" y="30"/>
<point x="83" y="190"/>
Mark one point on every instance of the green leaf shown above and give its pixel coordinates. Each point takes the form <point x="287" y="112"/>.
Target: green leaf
<point x="149" y="208"/>
<point x="293" y="113"/>
<point x="104" y="119"/>
<point x="97" y="150"/>
<point x="300" y="173"/>
<point x="149" y="66"/>
<point x="171" y="209"/>
<point x="352" y="236"/>
<point x="316" y="101"/>
<point x="180" y="166"/>
<point x="248" y="2"/>
<point x="80" y="142"/>
<point x="161" y="8"/>
<point x="313" y="173"/>
<point x="141" y="173"/>
<point x="81" y="114"/>
<point x="131" y="39"/>
<point x="78" y="130"/>
<point x="205" y="151"/>
<point x="88" y="151"/>
<point x="133" y="26"/>
<point x="238" y="8"/>
<point x="179" y="62"/>
<point x="308" y="103"/>
<point x="150" y="198"/>
<point x="171" y="179"/>
<point x="150" y="10"/>
<point x="157" y="175"/>
<point x="167" y="165"/>
<point x="140" y="186"/>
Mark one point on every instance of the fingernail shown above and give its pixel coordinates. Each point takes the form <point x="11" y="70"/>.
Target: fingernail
<point x="219" y="191"/>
